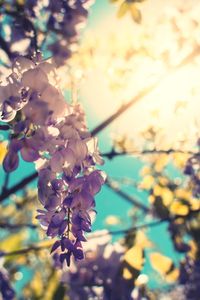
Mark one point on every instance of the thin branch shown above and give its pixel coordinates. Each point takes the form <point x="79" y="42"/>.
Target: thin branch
<point x="127" y="197"/>
<point x="100" y="234"/>
<point x="171" y="70"/>
<point x="24" y="250"/>
<point x="92" y="236"/>
<point x="18" y="186"/>
<point x="4" y="127"/>
<point x="113" y="153"/>
<point x="17" y="226"/>
<point x="6" y="181"/>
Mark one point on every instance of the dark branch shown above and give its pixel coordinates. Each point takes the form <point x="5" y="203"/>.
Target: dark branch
<point x="16" y="226"/>
<point x="144" y="92"/>
<point x="4" y="127"/>
<point x="18" y="186"/>
<point x="113" y="153"/>
<point x="127" y="197"/>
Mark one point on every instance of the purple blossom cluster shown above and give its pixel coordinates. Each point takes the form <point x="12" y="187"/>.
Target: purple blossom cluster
<point x="53" y="134"/>
<point x="47" y="24"/>
<point x="98" y="276"/>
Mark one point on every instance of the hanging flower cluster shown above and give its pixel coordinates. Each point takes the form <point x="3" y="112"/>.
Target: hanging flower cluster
<point x="53" y="134"/>
<point x="97" y="277"/>
<point x="57" y="31"/>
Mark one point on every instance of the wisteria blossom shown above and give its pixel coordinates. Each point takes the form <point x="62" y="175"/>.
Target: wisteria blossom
<point x="57" y="31"/>
<point x="53" y="134"/>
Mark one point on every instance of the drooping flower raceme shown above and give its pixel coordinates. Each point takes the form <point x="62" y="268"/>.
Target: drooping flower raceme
<point x="53" y="134"/>
<point x="46" y="24"/>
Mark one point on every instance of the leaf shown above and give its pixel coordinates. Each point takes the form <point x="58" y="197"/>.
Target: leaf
<point x="112" y="220"/>
<point x="3" y="151"/>
<point x="147" y="182"/>
<point x="179" y="209"/>
<point x="135" y="13"/>
<point x="161" y="162"/>
<point x="36" y="284"/>
<point x="167" y="196"/>
<point x="162" y="264"/>
<point x="142" y="240"/>
<point x="135" y="257"/>
<point x="126" y="274"/>
<point x="123" y="9"/>
<point x="13" y="242"/>
<point x="172" y="276"/>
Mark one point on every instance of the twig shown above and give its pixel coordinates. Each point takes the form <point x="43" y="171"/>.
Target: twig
<point x="145" y="92"/>
<point x="127" y="197"/>
<point x="4" y="127"/>
<point x="17" y="226"/>
<point x="92" y="236"/>
<point x="18" y="186"/>
<point x="113" y="153"/>
<point x="97" y="235"/>
<point x="6" y="181"/>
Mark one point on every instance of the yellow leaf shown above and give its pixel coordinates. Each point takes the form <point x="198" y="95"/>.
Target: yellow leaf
<point x="123" y="9"/>
<point x="162" y="264"/>
<point x="193" y="249"/>
<point x="20" y="2"/>
<point x="36" y="284"/>
<point x="126" y="274"/>
<point x="167" y="196"/>
<point x="3" y="151"/>
<point x="157" y="190"/>
<point x="194" y="204"/>
<point x="161" y="162"/>
<point x="135" y="13"/>
<point x="145" y="170"/>
<point x="163" y="180"/>
<point x="180" y="159"/>
<point x="142" y="240"/>
<point x="151" y="199"/>
<point x="172" y="276"/>
<point x="51" y="287"/>
<point x="112" y="220"/>
<point x="183" y="194"/>
<point x="13" y="242"/>
<point x="177" y="208"/>
<point x="134" y="257"/>
<point x="147" y="182"/>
